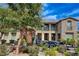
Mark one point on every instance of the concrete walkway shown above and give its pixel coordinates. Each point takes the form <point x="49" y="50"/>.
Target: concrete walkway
<point x="41" y="54"/>
<point x="21" y="54"/>
<point x="18" y="55"/>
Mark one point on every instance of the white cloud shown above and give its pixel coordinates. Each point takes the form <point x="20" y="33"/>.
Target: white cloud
<point x="77" y="17"/>
<point x="69" y="14"/>
<point x="47" y="12"/>
<point x="45" y="5"/>
<point x="50" y="17"/>
<point x="73" y="12"/>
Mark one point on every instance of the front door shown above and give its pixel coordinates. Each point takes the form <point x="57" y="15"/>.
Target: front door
<point x="46" y="36"/>
<point x="52" y="36"/>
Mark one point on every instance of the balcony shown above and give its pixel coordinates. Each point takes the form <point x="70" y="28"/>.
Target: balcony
<point x="49" y="27"/>
<point x="53" y="27"/>
<point x="46" y="27"/>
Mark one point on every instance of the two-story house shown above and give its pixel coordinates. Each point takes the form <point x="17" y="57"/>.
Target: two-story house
<point x="63" y="29"/>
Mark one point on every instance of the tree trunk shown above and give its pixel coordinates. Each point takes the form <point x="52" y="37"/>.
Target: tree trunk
<point x="1" y="36"/>
<point x="29" y="37"/>
<point x="18" y="46"/>
<point x="19" y="42"/>
<point x="25" y="34"/>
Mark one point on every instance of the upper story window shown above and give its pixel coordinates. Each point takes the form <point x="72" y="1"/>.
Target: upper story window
<point x="46" y="27"/>
<point x="77" y="26"/>
<point x="13" y="34"/>
<point x="53" y="27"/>
<point x="69" y="25"/>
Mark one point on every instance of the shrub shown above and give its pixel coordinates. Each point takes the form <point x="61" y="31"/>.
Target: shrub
<point x="33" y="50"/>
<point x="68" y="41"/>
<point x="44" y="47"/>
<point x="51" y="52"/>
<point x="24" y="50"/>
<point x="77" y="50"/>
<point x="61" y="49"/>
<point x="3" y="50"/>
<point x="24" y="46"/>
<point x="71" y="42"/>
<point x="66" y="53"/>
<point x="24" y="42"/>
<point x="77" y="42"/>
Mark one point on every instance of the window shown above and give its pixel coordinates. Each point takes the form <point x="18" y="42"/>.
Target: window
<point x="77" y="26"/>
<point x="46" y="27"/>
<point x="39" y="36"/>
<point x="13" y="34"/>
<point x="69" y="25"/>
<point x="53" y="36"/>
<point x="11" y="41"/>
<point x="52" y="27"/>
<point x="3" y="41"/>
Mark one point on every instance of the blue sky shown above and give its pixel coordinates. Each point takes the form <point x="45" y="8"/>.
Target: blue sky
<point x="57" y="11"/>
<point x="3" y="5"/>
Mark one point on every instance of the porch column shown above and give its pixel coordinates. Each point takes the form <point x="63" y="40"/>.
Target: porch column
<point x="35" y="38"/>
<point x="36" y="35"/>
<point x="9" y="37"/>
<point x="49" y="26"/>
<point x="49" y="36"/>
<point x="6" y="37"/>
<point x="42" y="36"/>
<point x="56" y="37"/>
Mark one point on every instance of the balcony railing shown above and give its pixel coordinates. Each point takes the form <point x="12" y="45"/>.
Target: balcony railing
<point x="49" y="27"/>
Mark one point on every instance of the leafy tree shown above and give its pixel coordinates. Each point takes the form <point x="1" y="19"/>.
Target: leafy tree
<point x="7" y="22"/>
<point x="23" y="17"/>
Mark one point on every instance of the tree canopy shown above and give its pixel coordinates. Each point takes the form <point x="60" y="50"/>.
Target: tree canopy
<point x="20" y="15"/>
